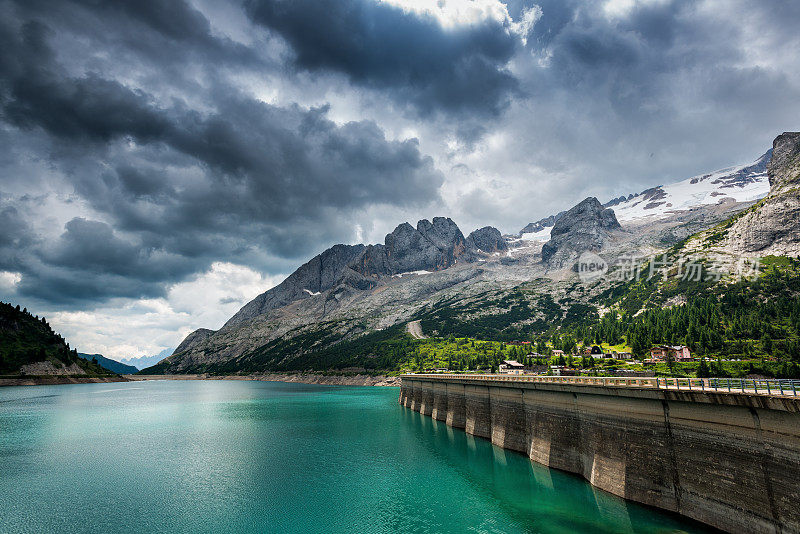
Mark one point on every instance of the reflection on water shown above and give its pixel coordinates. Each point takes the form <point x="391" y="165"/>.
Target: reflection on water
<point x="236" y="456"/>
<point x="547" y="500"/>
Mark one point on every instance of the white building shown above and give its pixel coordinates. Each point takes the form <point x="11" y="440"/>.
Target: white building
<point x="511" y="367"/>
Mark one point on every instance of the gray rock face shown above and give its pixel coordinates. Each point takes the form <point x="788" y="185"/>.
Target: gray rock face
<point x="431" y="246"/>
<point x="772" y="227"/>
<point x="408" y="249"/>
<point x="444" y="234"/>
<point x="783" y="170"/>
<point x="319" y="274"/>
<point x="487" y="239"/>
<point x="585" y="227"/>
<point x="372" y="263"/>
<point x="194" y="339"/>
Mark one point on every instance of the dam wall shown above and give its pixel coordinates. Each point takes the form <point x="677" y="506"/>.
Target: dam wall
<point x="730" y="460"/>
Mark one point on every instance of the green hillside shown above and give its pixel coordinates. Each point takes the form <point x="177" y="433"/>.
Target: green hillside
<point x="26" y="339"/>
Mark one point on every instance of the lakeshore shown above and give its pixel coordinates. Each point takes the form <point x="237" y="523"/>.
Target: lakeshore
<point x="298" y="378"/>
<point x="55" y="380"/>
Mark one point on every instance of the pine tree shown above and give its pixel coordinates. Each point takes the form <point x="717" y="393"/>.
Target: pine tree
<point x="766" y="343"/>
<point x="703" y="370"/>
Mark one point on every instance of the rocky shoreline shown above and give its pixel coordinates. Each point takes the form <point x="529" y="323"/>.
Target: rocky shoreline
<point x="58" y="380"/>
<point x="300" y="378"/>
<point x="333" y="380"/>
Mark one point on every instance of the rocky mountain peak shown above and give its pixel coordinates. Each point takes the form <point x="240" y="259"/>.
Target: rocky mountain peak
<point x="586" y="216"/>
<point x="784" y="167"/>
<point x="487" y="239"/>
<point x="430" y="246"/>
<point x="442" y="232"/>
<point x="320" y="273"/>
<point x="584" y="227"/>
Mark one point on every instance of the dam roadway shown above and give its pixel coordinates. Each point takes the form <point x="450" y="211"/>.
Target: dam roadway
<point x="723" y="452"/>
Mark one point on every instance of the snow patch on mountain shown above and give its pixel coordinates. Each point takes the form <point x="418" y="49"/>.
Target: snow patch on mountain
<point x="411" y="273"/>
<point x="542" y="235"/>
<point x="744" y="183"/>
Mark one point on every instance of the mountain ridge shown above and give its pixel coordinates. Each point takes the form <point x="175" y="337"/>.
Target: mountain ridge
<point x="418" y="268"/>
<point x="743" y="183"/>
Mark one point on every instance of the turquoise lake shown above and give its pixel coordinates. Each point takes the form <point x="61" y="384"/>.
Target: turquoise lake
<point x="240" y="456"/>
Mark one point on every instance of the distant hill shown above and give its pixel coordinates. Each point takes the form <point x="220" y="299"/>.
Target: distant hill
<point x="142" y="362"/>
<point x="112" y="365"/>
<point x="29" y="347"/>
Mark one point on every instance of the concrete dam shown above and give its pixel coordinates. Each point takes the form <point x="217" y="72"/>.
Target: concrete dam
<point x="730" y="459"/>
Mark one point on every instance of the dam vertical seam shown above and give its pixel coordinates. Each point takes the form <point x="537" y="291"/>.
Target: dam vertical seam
<point x="764" y="459"/>
<point x="676" y="483"/>
<point x="579" y="421"/>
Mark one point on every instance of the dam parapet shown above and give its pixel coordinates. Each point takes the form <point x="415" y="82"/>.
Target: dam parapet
<point x="725" y="454"/>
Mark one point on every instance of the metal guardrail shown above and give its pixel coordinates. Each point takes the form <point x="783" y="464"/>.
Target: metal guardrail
<point x="727" y="385"/>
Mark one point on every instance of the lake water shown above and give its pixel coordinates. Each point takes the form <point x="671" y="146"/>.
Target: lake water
<point x="216" y="456"/>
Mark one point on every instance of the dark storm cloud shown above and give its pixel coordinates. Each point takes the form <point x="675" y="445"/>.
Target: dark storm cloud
<point x="89" y="261"/>
<point x="645" y="93"/>
<point x="13" y="230"/>
<point x="143" y="117"/>
<point x="654" y="57"/>
<point x="92" y="246"/>
<point x="239" y="180"/>
<point x="166" y="34"/>
<point x="414" y="59"/>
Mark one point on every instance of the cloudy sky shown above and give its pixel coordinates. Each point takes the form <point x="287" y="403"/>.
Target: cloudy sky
<point x="164" y="162"/>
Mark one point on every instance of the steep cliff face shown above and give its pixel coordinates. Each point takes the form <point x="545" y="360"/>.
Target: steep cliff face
<point x="783" y="170"/>
<point x="431" y="246"/>
<point x="319" y="274"/>
<point x="487" y="239"/>
<point x="772" y="227"/>
<point x="586" y="227"/>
